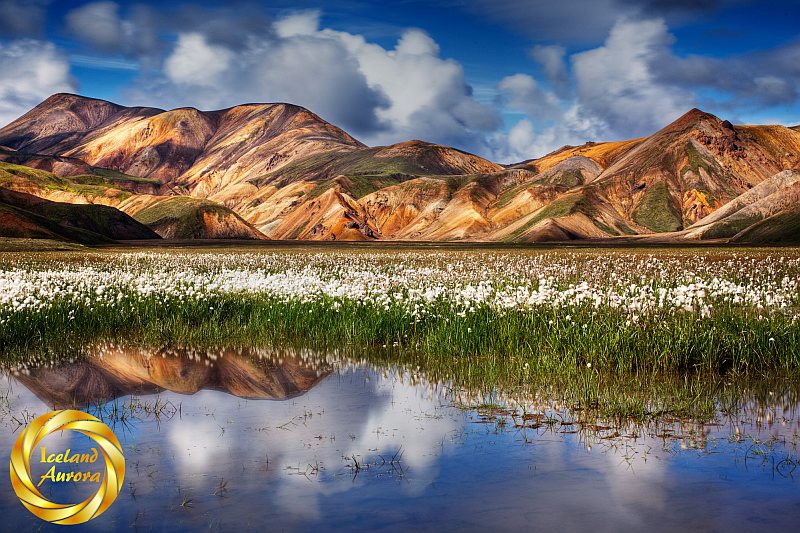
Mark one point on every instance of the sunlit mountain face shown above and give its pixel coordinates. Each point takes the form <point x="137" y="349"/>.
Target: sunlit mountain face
<point x="278" y="171"/>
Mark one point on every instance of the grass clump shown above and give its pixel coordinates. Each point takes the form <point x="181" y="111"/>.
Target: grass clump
<point x="656" y="212"/>
<point x="695" y="161"/>
<point x="100" y="183"/>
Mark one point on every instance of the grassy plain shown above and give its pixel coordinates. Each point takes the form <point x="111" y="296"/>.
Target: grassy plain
<point x="606" y="328"/>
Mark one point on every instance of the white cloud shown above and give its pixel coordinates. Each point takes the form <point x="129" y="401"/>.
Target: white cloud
<point x="102" y="26"/>
<point x="754" y="80"/>
<point x="302" y="23"/>
<point x="97" y="23"/>
<point x="551" y="60"/>
<point x="31" y="71"/>
<point x="521" y="141"/>
<point x="196" y="62"/>
<point x="416" y="43"/>
<point x="527" y="140"/>
<point x="616" y="81"/>
<point x="523" y="93"/>
<point x="22" y="17"/>
<point x="427" y="96"/>
<point x="618" y="91"/>
<point x="582" y="22"/>
<point x="774" y="90"/>
<point x="380" y="95"/>
<point x="312" y="70"/>
<point x="104" y="62"/>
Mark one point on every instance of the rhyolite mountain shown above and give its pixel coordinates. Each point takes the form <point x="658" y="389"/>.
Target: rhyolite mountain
<point x="27" y="216"/>
<point x="278" y="171"/>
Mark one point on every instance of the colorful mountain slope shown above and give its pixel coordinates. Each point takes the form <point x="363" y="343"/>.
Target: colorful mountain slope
<point x="24" y="215"/>
<point x="179" y="217"/>
<point x="775" y="196"/>
<point x="279" y="171"/>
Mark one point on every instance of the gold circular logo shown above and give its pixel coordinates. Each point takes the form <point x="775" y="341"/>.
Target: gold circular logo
<point x="110" y="481"/>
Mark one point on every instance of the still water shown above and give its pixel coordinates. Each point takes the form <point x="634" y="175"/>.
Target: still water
<point x="280" y="440"/>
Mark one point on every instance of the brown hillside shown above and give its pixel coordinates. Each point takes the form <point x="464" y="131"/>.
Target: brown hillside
<point x="691" y="168"/>
<point x="25" y="215"/>
<point x="281" y="172"/>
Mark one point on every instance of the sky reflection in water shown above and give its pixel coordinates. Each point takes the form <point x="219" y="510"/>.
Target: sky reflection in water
<point x="275" y="439"/>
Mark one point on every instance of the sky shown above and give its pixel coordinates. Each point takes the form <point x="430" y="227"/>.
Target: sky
<point x="507" y="79"/>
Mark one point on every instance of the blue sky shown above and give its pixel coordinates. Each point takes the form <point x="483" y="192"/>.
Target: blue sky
<point x="508" y="79"/>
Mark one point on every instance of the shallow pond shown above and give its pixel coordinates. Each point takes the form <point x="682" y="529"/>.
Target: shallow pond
<point x="280" y="440"/>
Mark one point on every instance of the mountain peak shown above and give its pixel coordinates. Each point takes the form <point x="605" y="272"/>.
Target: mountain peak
<point x="693" y="116"/>
<point x="694" y="120"/>
<point x="73" y="103"/>
<point x="696" y="112"/>
<point x="58" y="98"/>
<point x="413" y="143"/>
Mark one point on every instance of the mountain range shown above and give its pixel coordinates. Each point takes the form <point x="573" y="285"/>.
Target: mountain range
<point x="88" y="170"/>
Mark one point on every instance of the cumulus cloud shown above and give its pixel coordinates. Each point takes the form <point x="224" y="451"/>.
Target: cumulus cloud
<point x="529" y="138"/>
<point x="634" y="84"/>
<point x="616" y="93"/>
<point x="567" y="20"/>
<point x="302" y="23"/>
<point x="138" y="29"/>
<point x="758" y="79"/>
<point x="102" y="26"/>
<point x="97" y="23"/>
<point x="523" y="93"/>
<point x="679" y="7"/>
<point x="617" y="81"/>
<point x="309" y="70"/>
<point x="381" y="95"/>
<point x="521" y="141"/>
<point x="772" y="90"/>
<point x="32" y="70"/>
<point x="20" y="18"/>
<point x="551" y="60"/>
<point x="427" y="96"/>
<point x="197" y="62"/>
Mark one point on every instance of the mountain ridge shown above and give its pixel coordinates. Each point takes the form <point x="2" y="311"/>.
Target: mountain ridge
<point x="279" y="171"/>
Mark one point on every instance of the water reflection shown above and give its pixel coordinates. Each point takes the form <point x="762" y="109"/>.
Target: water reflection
<point x="108" y="371"/>
<point x="358" y="447"/>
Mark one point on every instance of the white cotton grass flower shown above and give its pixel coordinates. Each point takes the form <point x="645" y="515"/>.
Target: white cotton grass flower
<point x="575" y="284"/>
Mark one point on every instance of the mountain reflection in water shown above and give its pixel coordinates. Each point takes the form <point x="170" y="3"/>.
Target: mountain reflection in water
<point x="355" y="446"/>
<point x="109" y="371"/>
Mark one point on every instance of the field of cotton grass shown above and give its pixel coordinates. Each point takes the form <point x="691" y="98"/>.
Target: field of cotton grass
<point x="505" y="314"/>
